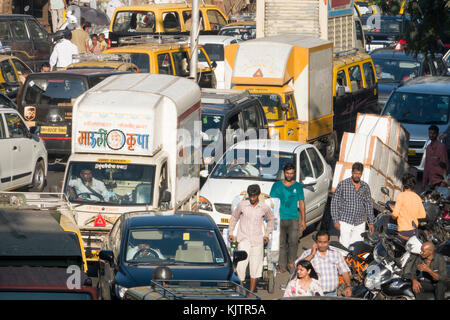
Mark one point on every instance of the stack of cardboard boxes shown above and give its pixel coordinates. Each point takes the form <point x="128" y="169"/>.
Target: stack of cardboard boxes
<point x="380" y="143"/>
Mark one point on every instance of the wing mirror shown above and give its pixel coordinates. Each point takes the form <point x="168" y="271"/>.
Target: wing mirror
<point x="309" y="181"/>
<point x="106" y="255"/>
<point x="214" y="64"/>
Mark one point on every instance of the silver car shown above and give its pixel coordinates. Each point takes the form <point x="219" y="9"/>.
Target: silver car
<point x="418" y="104"/>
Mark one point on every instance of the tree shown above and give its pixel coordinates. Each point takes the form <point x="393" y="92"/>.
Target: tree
<point x="429" y="23"/>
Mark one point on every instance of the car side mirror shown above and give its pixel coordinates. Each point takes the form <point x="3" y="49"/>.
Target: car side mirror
<point x="309" y="181"/>
<point x="385" y="191"/>
<point x="204" y="173"/>
<point x="239" y="255"/>
<point x="33" y="130"/>
<point x="214" y="64"/>
<point x="106" y="255"/>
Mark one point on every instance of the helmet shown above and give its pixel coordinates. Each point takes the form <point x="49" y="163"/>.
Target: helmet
<point x="162" y="274"/>
<point x="253" y="190"/>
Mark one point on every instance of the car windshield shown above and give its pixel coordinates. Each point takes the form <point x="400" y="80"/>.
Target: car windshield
<point x="272" y="106"/>
<point x="252" y="164"/>
<point x="173" y="245"/>
<point x="418" y="108"/>
<point x="53" y="91"/>
<point x="214" y="51"/>
<point x="110" y="183"/>
<point x="245" y="33"/>
<point x="395" y="70"/>
<point x="134" y="21"/>
<point x="211" y="128"/>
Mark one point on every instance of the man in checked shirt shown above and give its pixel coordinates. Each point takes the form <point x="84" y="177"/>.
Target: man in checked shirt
<point x="351" y="205"/>
<point x="250" y="235"/>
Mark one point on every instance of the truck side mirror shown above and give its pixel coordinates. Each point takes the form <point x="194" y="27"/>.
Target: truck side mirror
<point x="166" y="196"/>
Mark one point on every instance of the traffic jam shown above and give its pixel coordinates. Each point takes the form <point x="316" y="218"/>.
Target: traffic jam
<point x="252" y="150"/>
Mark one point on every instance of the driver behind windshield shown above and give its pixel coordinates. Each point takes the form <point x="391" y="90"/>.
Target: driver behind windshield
<point x="87" y="187"/>
<point x="142" y="249"/>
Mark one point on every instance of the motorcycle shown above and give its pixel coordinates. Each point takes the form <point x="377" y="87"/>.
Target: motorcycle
<point x="383" y="281"/>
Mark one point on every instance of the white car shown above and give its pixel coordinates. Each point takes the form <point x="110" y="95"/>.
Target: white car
<point x="23" y="162"/>
<point x="214" y="47"/>
<point x="264" y="161"/>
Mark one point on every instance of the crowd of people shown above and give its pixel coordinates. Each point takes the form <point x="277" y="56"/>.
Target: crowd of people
<point x="316" y="272"/>
<point x="76" y="42"/>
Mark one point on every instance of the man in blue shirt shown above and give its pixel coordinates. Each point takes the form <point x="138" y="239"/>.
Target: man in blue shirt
<point x="292" y="201"/>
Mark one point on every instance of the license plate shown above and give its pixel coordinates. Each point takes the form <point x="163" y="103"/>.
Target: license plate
<point x="411" y="152"/>
<point x="224" y="220"/>
<point x="54" y="130"/>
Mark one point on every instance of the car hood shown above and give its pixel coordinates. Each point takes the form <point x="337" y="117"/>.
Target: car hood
<point x="230" y="188"/>
<point x="135" y="276"/>
<point x="420" y="131"/>
<point x="385" y="89"/>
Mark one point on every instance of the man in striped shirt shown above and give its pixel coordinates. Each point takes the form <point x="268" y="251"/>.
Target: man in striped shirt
<point x="328" y="264"/>
<point x="351" y="206"/>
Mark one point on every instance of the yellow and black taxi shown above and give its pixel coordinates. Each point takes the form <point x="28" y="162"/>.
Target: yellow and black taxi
<point x="166" y="55"/>
<point x="12" y="71"/>
<point x="162" y="19"/>
<point x="46" y="99"/>
<point x="354" y="89"/>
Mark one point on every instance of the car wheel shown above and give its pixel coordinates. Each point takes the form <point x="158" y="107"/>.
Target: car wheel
<point x="330" y="154"/>
<point x="39" y="179"/>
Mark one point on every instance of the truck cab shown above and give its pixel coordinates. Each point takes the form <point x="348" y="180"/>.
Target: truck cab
<point x="133" y="154"/>
<point x="294" y="83"/>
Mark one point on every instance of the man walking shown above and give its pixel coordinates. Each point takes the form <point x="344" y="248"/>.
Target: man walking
<point x="328" y="264"/>
<point x="351" y="206"/>
<point x="292" y="202"/>
<point x="56" y="8"/>
<point x="63" y="52"/>
<point x="428" y="273"/>
<point x="80" y="37"/>
<point x="251" y="214"/>
<point x="436" y="159"/>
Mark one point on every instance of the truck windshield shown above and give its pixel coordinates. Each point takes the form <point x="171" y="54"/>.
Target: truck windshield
<point x="169" y="245"/>
<point x="52" y="91"/>
<point x="272" y="106"/>
<point x="395" y="70"/>
<point x="211" y="128"/>
<point x="252" y="164"/>
<point x="418" y="108"/>
<point x="110" y="183"/>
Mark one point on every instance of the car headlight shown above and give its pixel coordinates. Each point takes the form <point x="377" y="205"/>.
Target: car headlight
<point x="204" y="204"/>
<point x="120" y="291"/>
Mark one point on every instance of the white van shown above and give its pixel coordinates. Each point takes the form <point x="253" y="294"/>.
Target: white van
<point x="261" y="162"/>
<point x="215" y="48"/>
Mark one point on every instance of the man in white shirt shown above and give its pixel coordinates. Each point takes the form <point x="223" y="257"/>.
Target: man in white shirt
<point x="56" y="8"/>
<point x="87" y="187"/>
<point x="63" y="51"/>
<point x="111" y="7"/>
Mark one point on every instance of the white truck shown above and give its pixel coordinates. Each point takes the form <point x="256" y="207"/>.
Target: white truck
<point x="136" y="146"/>
<point x="334" y="20"/>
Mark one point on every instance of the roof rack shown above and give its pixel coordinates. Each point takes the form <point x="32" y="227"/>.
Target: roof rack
<point x="154" y="39"/>
<point x="122" y="57"/>
<point x="346" y="52"/>
<point x="223" y="96"/>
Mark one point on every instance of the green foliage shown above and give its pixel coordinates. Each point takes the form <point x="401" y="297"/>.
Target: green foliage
<point x="430" y="21"/>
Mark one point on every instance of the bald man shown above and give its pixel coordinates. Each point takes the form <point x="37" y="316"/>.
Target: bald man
<point x="428" y="273"/>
